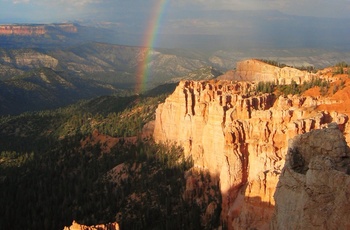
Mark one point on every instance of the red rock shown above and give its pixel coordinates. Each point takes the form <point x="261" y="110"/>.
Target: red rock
<point x="76" y="226"/>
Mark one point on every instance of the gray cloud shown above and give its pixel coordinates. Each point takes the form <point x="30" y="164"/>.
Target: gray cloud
<point x="20" y="1"/>
<point x="75" y="9"/>
<point x="318" y="8"/>
<point x="205" y="23"/>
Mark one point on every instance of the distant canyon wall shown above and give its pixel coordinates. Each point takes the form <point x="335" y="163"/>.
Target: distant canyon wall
<point x="242" y="139"/>
<point x="30" y="30"/>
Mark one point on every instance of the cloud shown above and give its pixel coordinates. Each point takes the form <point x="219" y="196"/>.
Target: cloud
<point x="78" y="2"/>
<point x="137" y="12"/>
<point x="319" y="8"/>
<point x="231" y="4"/>
<point x="20" y="1"/>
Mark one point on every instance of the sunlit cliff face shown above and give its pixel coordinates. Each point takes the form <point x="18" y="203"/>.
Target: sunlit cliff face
<point x="240" y="137"/>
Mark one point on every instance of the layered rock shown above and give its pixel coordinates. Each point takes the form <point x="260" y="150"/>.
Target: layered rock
<point x="314" y="187"/>
<point x="255" y="70"/>
<point x="240" y="138"/>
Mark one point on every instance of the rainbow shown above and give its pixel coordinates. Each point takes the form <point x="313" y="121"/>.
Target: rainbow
<point x="150" y="35"/>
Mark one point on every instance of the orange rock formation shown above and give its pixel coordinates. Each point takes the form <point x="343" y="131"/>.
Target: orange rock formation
<point x="76" y="226"/>
<point x="241" y="138"/>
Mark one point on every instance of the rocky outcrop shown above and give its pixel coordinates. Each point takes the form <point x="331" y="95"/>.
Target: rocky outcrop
<point x="314" y="186"/>
<point x="25" y="59"/>
<point x="255" y="70"/>
<point x="66" y="27"/>
<point x="241" y="138"/>
<point x="76" y="226"/>
<point x="32" y="59"/>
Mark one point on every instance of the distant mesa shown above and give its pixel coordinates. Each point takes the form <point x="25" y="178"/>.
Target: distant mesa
<point x="256" y="70"/>
<point x="35" y="29"/>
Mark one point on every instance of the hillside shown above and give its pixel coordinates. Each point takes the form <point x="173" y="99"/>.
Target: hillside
<point x="45" y="88"/>
<point x="61" y="161"/>
<point x="33" y="79"/>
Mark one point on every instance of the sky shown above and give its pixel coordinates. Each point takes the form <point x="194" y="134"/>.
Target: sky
<point x="114" y="10"/>
<point x="181" y="18"/>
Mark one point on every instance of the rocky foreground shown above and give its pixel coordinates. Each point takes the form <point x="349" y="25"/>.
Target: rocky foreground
<point x="242" y="140"/>
<point x="314" y="187"/>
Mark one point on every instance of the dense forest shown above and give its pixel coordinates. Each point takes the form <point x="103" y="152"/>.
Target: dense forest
<point x="281" y="65"/>
<point x="48" y="178"/>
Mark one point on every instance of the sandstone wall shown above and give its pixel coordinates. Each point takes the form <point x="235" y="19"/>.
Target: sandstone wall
<point x="242" y="139"/>
<point x="254" y="70"/>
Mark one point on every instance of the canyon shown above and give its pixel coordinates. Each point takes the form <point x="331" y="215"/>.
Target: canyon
<point x="241" y="136"/>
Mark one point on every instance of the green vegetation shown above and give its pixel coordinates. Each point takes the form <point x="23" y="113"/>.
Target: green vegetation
<point x="338" y="87"/>
<point x="293" y="88"/>
<point x="339" y="68"/>
<point x="48" y="178"/>
<point x="272" y="62"/>
<point x="281" y="65"/>
<point x="341" y="64"/>
<point x="50" y="188"/>
<point x="265" y="87"/>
